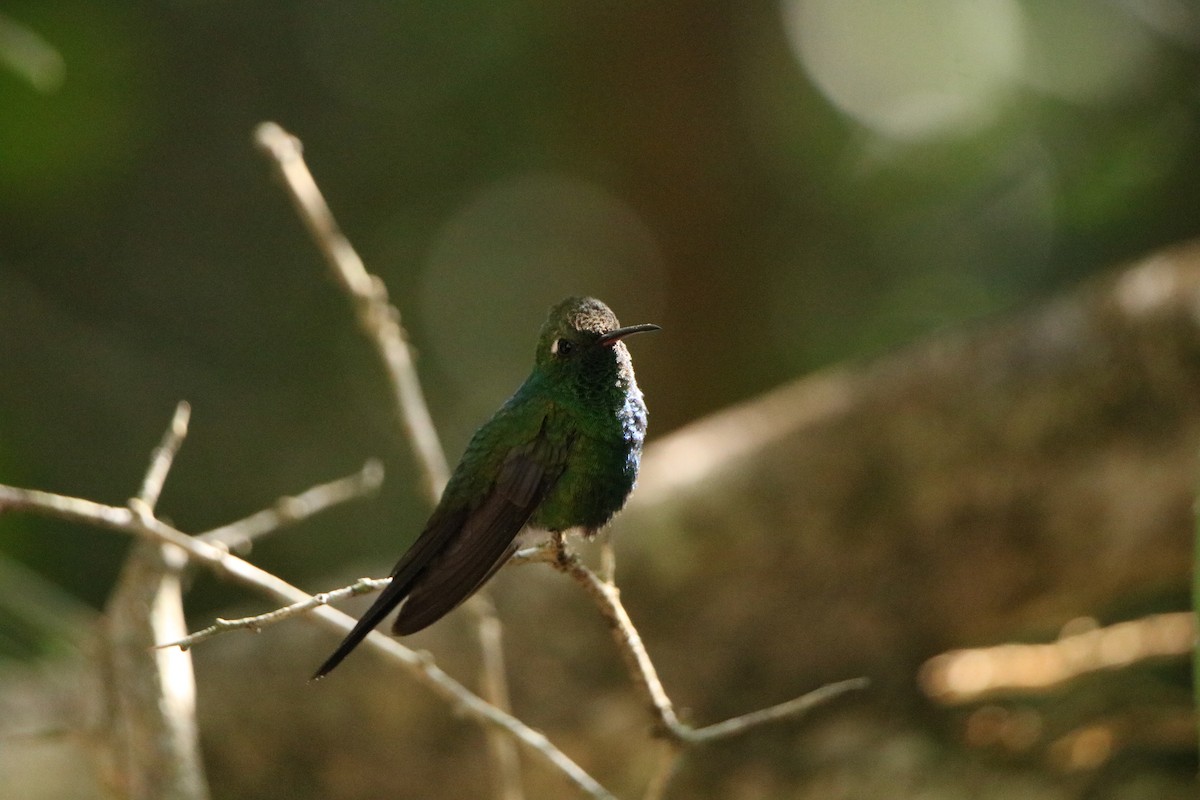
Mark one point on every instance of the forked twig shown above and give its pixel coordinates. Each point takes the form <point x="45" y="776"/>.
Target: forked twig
<point x="791" y="709"/>
<point x="607" y="599"/>
<point x="148" y="701"/>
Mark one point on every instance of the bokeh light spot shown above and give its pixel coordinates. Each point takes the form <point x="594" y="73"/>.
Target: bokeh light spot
<point x="914" y="70"/>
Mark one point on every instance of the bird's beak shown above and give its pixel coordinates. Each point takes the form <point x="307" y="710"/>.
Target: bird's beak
<point x="612" y="337"/>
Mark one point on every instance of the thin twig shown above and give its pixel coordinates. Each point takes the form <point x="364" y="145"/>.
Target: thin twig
<point x="645" y="677"/>
<point x="289" y="510"/>
<point x="258" y="622"/>
<point x="376" y="316"/>
<point x="607" y="598"/>
<point x="792" y="709"/>
<point x="629" y="643"/>
<point x="162" y="458"/>
<point x="124" y="520"/>
<point x="673" y="750"/>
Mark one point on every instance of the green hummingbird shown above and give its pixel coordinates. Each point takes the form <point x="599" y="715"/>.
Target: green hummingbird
<point x="561" y="453"/>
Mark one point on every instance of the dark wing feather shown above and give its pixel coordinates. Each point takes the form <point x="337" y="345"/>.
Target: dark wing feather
<point x="442" y="525"/>
<point x="486" y="541"/>
<point x="461" y="547"/>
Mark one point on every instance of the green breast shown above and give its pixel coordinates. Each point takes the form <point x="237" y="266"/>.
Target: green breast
<point x="601" y="467"/>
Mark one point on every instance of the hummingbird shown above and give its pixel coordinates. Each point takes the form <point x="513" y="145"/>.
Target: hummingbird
<point x="562" y="453"/>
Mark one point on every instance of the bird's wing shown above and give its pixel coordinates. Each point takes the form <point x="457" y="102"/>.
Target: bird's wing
<point x="462" y="544"/>
<point x="442" y="525"/>
<point x="486" y="538"/>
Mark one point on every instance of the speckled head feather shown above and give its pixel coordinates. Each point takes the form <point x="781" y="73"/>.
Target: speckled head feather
<point x="583" y="314"/>
<point x="579" y="320"/>
<point x="586" y="314"/>
<point x="584" y="321"/>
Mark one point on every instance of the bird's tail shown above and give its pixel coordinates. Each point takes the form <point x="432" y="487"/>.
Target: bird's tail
<point x="383" y="605"/>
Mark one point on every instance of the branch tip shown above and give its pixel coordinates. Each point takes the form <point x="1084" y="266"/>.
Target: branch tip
<point x="272" y="139"/>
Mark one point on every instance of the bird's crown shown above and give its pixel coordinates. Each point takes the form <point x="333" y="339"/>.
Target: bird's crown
<point x="583" y="314"/>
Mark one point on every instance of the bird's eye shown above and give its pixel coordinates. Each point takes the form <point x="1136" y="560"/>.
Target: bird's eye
<point x="562" y="347"/>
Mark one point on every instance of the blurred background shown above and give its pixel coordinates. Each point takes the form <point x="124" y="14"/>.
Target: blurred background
<point x="782" y="186"/>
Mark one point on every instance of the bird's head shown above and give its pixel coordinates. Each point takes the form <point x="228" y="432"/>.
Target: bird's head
<point x="581" y="343"/>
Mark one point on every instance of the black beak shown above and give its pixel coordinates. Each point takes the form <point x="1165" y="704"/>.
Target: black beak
<point x="612" y="337"/>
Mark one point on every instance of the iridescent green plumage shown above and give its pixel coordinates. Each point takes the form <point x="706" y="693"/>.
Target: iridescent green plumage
<point x="562" y="453"/>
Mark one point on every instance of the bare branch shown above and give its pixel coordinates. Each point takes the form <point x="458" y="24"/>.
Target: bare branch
<point x="219" y="559"/>
<point x="289" y="510"/>
<point x="150" y="738"/>
<point x="376" y="316"/>
<point x="678" y="735"/>
<point x="792" y="709"/>
<point x="641" y="669"/>
<point x="161" y="460"/>
<point x="260" y="621"/>
<point x="607" y="598"/>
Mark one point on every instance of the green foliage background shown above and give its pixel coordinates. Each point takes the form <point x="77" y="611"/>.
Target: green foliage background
<point x="488" y="158"/>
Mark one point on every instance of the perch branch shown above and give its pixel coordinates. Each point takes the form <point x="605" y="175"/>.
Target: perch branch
<point x="645" y="677"/>
<point x="607" y="598"/>
<point x="678" y="735"/>
<point x="217" y="558"/>
<point x="625" y="635"/>
<point x="790" y="709"/>
<point x="259" y="621"/>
